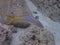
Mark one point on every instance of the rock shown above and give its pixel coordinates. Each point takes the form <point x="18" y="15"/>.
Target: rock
<point x="49" y="8"/>
<point x="35" y="35"/>
<point x="35" y="12"/>
<point x="37" y="17"/>
<point x="5" y="34"/>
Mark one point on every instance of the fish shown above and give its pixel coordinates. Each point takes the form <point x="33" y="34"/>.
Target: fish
<point x="25" y="18"/>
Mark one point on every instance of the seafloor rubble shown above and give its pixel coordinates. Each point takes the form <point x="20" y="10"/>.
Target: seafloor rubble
<point x="32" y="35"/>
<point x="35" y="35"/>
<point x="5" y="34"/>
<point x="50" y="8"/>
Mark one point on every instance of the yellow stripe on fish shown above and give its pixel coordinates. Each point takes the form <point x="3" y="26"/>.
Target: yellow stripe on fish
<point x="15" y="19"/>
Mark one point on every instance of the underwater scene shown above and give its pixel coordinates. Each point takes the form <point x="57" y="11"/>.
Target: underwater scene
<point x="29" y="22"/>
